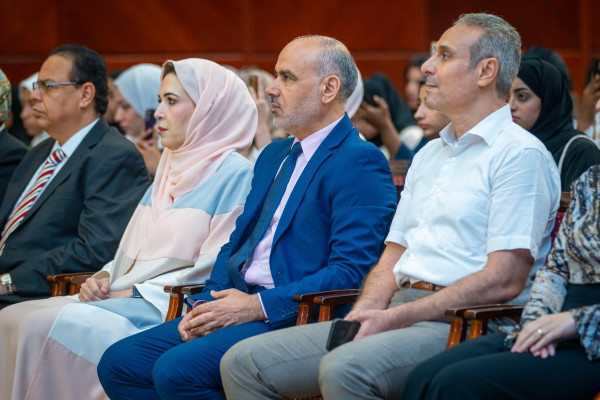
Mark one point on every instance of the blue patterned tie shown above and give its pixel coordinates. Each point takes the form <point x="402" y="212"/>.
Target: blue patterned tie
<point x="271" y="203"/>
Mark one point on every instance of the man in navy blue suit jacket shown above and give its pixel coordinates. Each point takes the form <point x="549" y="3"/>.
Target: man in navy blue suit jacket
<point x="326" y="233"/>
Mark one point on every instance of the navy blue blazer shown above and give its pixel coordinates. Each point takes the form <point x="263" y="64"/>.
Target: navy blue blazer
<point x="77" y="222"/>
<point x="332" y="229"/>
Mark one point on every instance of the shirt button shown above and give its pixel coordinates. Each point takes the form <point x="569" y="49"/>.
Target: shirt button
<point x="437" y="190"/>
<point x="453" y="159"/>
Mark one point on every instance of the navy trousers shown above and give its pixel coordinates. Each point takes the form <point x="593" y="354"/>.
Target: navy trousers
<point x="157" y="364"/>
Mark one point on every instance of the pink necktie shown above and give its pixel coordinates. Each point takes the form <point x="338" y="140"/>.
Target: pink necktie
<point x="27" y="201"/>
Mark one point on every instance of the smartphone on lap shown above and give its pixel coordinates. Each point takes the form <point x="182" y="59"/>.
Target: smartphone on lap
<point x="341" y="332"/>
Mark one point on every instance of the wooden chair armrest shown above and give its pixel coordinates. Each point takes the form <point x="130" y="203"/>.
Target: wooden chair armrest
<point x="60" y="281"/>
<point x="328" y="303"/>
<point x="192" y="289"/>
<point x="306" y="306"/>
<point x="480" y="317"/>
<point x="459" y="323"/>
<point x="177" y="294"/>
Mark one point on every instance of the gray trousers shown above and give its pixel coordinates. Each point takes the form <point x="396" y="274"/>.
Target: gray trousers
<point x="293" y="362"/>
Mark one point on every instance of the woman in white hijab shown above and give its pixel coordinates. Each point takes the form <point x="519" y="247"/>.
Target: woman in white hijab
<point x="135" y="93"/>
<point x="30" y="124"/>
<point x="206" y="118"/>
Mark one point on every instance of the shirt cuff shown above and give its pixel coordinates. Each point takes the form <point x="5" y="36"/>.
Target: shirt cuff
<point x="197" y="303"/>
<point x="263" y="308"/>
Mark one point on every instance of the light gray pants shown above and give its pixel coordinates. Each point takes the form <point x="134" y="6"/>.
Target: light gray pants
<point x="293" y="362"/>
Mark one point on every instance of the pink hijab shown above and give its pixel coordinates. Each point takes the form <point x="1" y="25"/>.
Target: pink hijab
<point x="224" y="120"/>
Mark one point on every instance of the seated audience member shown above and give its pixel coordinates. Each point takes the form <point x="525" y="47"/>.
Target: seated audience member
<point x="205" y="119"/>
<point x="382" y="98"/>
<point x="475" y="216"/>
<point x="412" y="80"/>
<point x="71" y="196"/>
<point x="431" y="123"/>
<point x="12" y="150"/>
<point x="30" y="122"/>
<point x="540" y="103"/>
<point x="111" y="107"/>
<point x="266" y="131"/>
<point x="134" y="93"/>
<point x="317" y="225"/>
<point x="555" y="354"/>
<point x="589" y="118"/>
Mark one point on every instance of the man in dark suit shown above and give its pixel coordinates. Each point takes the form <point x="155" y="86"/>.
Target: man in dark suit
<point x="71" y="197"/>
<point x="323" y="230"/>
<point x="11" y="150"/>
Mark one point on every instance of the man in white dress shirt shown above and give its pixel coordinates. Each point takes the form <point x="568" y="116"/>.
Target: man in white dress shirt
<point x="472" y="226"/>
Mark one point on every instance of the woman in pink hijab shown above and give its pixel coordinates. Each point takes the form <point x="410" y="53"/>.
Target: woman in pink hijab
<point x="206" y="118"/>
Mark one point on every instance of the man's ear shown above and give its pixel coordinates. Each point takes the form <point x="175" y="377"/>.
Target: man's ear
<point x="488" y="71"/>
<point x="88" y="93"/>
<point x="330" y="88"/>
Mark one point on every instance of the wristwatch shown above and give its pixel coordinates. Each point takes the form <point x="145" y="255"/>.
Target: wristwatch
<point x="6" y="281"/>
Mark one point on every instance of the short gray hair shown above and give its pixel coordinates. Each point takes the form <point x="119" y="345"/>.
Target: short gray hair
<point x="499" y="40"/>
<point x="335" y="59"/>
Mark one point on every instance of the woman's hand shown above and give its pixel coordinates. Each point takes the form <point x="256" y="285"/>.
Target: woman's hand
<point x="379" y="115"/>
<point x="149" y="150"/>
<point x="94" y="290"/>
<point x="263" y="134"/>
<point x="540" y="336"/>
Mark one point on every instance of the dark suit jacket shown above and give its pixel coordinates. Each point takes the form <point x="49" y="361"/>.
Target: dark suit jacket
<point x="12" y="152"/>
<point x="332" y="229"/>
<point x="77" y="222"/>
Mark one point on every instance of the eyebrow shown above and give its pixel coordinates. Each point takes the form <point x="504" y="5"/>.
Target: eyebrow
<point x="168" y="94"/>
<point x="286" y="72"/>
<point x="443" y="47"/>
<point x="520" y="89"/>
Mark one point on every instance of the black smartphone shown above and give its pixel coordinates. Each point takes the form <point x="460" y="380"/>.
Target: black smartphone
<point x="341" y="332"/>
<point x="150" y="121"/>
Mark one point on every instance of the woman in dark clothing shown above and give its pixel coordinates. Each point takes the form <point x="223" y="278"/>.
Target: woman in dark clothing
<point x="540" y="102"/>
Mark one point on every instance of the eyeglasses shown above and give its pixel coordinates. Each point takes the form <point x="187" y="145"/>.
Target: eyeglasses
<point x="45" y="86"/>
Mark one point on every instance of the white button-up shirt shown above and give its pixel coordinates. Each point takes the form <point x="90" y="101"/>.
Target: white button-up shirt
<point x="494" y="188"/>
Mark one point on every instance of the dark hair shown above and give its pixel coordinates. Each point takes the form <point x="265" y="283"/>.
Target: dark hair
<point x="115" y="74"/>
<point x="416" y="61"/>
<point x="593" y="70"/>
<point x="88" y="66"/>
<point x="544" y="53"/>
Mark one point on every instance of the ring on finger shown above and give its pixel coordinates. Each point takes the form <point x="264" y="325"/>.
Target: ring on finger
<point x="540" y="331"/>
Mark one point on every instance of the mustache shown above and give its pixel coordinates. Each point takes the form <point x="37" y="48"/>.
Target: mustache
<point x="274" y="100"/>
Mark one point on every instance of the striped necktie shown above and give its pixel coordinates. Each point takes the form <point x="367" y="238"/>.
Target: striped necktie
<point x="27" y="201"/>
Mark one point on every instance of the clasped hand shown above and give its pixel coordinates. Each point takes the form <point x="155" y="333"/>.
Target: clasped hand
<point x="540" y="336"/>
<point x="99" y="289"/>
<point x="230" y="307"/>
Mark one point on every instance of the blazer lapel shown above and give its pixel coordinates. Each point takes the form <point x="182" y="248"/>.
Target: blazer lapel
<point x="333" y="140"/>
<point x="21" y="180"/>
<point x="72" y="164"/>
